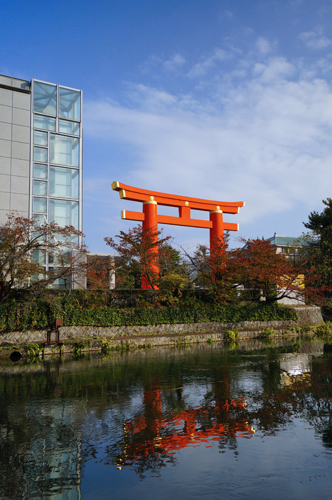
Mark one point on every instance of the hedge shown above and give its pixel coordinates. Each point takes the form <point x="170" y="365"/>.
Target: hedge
<point x="40" y="315"/>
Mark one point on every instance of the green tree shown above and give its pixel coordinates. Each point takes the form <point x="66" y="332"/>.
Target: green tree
<point x="320" y="247"/>
<point x="213" y="270"/>
<point x="174" y="272"/>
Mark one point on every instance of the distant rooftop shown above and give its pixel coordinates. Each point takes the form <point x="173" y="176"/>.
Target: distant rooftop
<point x="283" y="240"/>
<point x="287" y="241"/>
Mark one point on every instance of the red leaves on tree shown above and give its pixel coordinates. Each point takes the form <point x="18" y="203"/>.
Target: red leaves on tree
<point x="138" y="255"/>
<point x="257" y="266"/>
<point x="24" y="247"/>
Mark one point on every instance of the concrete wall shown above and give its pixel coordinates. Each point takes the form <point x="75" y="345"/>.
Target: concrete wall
<point x="15" y="104"/>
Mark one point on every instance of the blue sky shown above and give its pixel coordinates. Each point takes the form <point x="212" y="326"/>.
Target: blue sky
<point x="219" y="99"/>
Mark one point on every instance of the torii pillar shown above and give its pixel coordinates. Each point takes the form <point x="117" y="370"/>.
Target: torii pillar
<point x="217" y="229"/>
<point x="150" y="217"/>
<point x="150" y="223"/>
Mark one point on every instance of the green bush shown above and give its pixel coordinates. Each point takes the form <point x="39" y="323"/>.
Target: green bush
<point x="23" y="316"/>
<point x="296" y="329"/>
<point x="40" y="314"/>
<point x="268" y="332"/>
<point x="327" y="310"/>
<point x="231" y="335"/>
<point x="33" y="350"/>
<point x="323" y="329"/>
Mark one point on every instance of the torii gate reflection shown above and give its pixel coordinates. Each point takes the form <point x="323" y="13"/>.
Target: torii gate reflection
<point x="164" y="433"/>
<point x="150" y="218"/>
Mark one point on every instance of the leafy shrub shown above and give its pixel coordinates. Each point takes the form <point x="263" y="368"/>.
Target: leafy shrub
<point x="327" y="310"/>
<point x="268" y="332"/>
<point x="296" y="329"/>
<point x="106" y="345"/>
<point x="78" y="346"/>
<point x="33" y="350"/>
<point x="231" y="335"/>
<point x="323" y="329"/>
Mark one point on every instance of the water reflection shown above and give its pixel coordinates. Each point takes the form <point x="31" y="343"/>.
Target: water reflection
<point x="141" y="411"/>
<point x="158" y="435"/>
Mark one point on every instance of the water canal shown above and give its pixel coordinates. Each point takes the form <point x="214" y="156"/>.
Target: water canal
<point x="208" y="421"/>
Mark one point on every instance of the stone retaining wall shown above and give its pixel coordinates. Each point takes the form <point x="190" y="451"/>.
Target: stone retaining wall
<point x="166" y="333"/>
<point x="308" y="315"/>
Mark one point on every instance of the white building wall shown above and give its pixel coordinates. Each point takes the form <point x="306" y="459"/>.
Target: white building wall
<point x="15" y="112"/>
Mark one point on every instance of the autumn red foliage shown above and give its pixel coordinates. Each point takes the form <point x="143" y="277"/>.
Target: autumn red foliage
<point x="26" y="247"/>
<point x="137" y="256"/>
<point x="255" y="271"/>
<point x="257" y="266"/>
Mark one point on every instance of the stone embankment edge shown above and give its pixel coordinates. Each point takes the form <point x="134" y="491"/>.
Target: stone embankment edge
<point x="90" y="338"/>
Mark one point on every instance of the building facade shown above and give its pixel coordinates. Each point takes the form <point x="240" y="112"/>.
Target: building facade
<point x="287" y="245"/>
<point x="40" y="151"/>
<point x="41" y="154"/>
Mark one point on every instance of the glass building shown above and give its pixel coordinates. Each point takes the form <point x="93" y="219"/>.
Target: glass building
<point x="56" y="154"/>
<point x="41" y="152"/>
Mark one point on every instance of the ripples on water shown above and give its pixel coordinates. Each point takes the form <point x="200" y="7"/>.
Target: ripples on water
<point x="181" y="423"/>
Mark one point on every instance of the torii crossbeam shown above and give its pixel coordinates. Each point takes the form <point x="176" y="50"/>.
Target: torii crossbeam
<point x="150" y="217"/>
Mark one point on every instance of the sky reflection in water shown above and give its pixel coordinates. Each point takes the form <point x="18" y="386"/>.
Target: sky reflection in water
<point x="175" y="423"/>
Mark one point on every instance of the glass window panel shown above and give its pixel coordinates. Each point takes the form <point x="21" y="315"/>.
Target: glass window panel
<point x="39" y="219"/>
<point x="40" y="138"/>
<point x="40" y="154"/>
<point x="64" y="150"/>
<point x="39" y="187"/>
<point x="63" y="182"/>
<point x="39" y="205"/>
<point x="37" y="236"/>
<point x="39" y="276"/>
<point x="59" y="283"/>
<point x="64" y="213"/>
<point x="40" y="257"/>
<point x="69" y="103"/>
<point x="71" y="241"/>
<point x="55" y="258"/>
<point x="44" y="122"/>
<point x="44" y="98"/>
<point x="40" y="171"/>
<point x="67" y="127"/>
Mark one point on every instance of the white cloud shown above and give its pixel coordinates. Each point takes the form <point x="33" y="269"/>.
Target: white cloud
<point x="263" y="45"/>
<point x="203" y="67"/>
<point x="149" y="98"/>
<point x="315" y="39"/>
<point x="264" y="139"/>
<point x="174" y="63"/>
<point x="274" y="69"/>
<point x="154" y="64"/>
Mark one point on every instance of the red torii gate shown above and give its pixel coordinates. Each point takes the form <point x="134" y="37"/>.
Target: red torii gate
<point x="150" y="218"/>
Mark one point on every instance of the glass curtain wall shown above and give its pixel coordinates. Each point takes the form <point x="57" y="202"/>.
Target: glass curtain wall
<point x="56" y="157"/>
